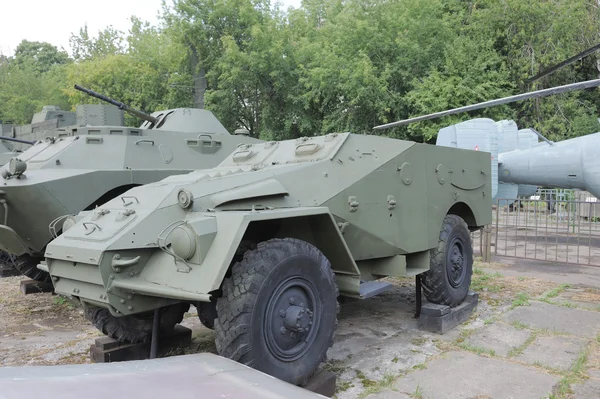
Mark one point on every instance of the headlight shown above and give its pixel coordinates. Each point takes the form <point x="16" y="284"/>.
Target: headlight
<point x="183" y="242"/>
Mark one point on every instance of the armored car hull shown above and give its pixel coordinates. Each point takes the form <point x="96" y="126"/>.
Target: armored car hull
<point x="265" y="242"/>
<point x="81" y="168"/>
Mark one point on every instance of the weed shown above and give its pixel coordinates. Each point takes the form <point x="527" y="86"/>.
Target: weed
<point x="477" y="349"/>
<point x="418" y="341"/>
<point x="418" y="394"/>
<point x="520" y="349"/>
<point x="522" y="299"/>
<point x="519" y="325"/>
<point x="554" y="292"/>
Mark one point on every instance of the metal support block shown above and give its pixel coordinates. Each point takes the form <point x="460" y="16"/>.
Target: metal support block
<point x="440" y="319"/>
<point x="35" y="287"/>
<point x="418" y="296"/>
<point x="107" y="350"/>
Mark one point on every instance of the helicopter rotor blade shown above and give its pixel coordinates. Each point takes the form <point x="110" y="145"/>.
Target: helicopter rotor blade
<point x="505" y="100"/>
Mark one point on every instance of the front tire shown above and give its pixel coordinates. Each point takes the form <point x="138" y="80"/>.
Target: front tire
<point x="278" y="311"/>
<point x="137" y="328"/>
<point x="449" y="277"/>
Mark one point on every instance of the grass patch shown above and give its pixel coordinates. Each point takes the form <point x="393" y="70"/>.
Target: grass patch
<point x="522" y="299"/>
<point x="342" y="386"/>
<point x="366" y="382"/>
<point x="418" y="394"/>
<point x="476" y="349"/>
<point x="520" y="349"/>
<point x="554" y="292"/>
<point x="482" y="281"/>
<point x="563" y="390"/>
<point x="464" y="334"/>
<point x="519" y="325"/>
<point x="376" y="386"/>
<point x="420" y="366"/>
<point x="418" y="341"/>
<point x="335" y="366"/>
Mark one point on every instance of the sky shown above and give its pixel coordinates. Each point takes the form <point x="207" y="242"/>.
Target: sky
<point x="53" y="21"/>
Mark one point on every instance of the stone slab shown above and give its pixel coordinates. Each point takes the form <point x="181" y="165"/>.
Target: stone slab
<point x="440" y="319"/>
<point x="460" y="375"/>
<point x="590" y="388"/>
<point x="107" y="350"/>
<point x="388" y="394"/>
<point x="35" y="287"/>
<point x="555" y="352"/>
<point x="541" y="315"/>
<point x="498" y="337"/>
<point x="323" y="383"/>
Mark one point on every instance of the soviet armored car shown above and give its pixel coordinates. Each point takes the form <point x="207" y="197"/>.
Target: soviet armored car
<point x="265" y="243"/>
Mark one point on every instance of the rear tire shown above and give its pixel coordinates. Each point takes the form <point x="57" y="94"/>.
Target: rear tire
<point x="27" y="266"/>
<point x="449" y="277"/>
<point x="278" y="311"/>
<point x="137" y="328"/>
<point x="207" y="313"/>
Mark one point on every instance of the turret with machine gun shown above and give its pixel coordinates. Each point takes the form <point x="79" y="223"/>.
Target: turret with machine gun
<point x="118" y="104"/>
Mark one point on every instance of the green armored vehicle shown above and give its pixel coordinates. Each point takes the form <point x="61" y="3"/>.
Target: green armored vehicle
<point x="82" y="167"/>
<point x="265" y="243"/>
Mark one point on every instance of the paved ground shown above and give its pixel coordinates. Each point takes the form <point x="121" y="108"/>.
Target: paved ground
<point x="535" y="334"/>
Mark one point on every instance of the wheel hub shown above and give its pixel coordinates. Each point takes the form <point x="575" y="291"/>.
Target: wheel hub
<point x="297" y="318"/>
<point x="291" y="321"/>
<point x="455" y="263"/>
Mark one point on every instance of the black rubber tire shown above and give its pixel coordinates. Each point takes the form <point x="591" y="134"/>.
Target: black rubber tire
<point x="281" y="281"/>
<point x="207" y="313"/>
<point x="441" y="286"/>
<point x="135" y="329"/>
<point x="27" y="266"/>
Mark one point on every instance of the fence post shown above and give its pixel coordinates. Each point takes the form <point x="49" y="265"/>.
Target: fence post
<point x="486" y="235"/>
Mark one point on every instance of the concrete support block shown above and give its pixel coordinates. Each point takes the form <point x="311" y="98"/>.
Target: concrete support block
<point x="440" y="319"/>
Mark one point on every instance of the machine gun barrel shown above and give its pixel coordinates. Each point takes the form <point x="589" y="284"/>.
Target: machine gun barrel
<point x="118" y="104"/>
<point x="17" y="140"/>
<point x="534" y="94"/>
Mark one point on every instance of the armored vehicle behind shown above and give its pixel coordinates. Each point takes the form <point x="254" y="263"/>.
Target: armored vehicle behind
<point x="81" y="167"/>
<point x="264" y="243"/>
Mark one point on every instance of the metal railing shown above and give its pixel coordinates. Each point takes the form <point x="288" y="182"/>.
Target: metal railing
<point x="553" y="225"/>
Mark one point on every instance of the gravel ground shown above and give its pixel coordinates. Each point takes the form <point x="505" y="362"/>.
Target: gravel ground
<point x="535" y="333"/>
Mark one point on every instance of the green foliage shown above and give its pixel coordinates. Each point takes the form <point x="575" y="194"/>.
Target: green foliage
<point x="41" y="57"/>
<point x="108" y="42"/>
<point x="328" y="66"/>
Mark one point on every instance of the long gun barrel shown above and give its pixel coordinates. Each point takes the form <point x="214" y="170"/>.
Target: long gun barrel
<point x="17" y="140"/>
<point x="534" y="94"/>
<point x="118" y="104"/>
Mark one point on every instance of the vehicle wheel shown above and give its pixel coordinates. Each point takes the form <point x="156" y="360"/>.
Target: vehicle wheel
<point x="278" y="311"/>
<point x="449" y="277"/>
<point x="27" y="266"/>
<point x="135" y="328"/>
<point x="207" y="313"/>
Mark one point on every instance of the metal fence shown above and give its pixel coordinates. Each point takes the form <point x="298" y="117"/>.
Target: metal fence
<point x="553" y="225"/>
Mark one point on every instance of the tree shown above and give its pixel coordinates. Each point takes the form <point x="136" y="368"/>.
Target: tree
<point x="41" y="56"/>
<point x="109" y="42"/>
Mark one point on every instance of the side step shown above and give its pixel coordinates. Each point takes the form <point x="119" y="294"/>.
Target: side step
<point x="372" y="288"/>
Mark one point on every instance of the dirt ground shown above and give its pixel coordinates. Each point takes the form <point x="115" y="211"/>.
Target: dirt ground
<point x="535" y="333"/>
